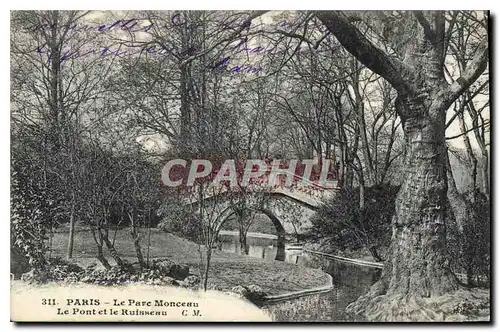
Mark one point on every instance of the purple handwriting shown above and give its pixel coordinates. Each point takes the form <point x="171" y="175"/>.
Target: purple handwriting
<point x="150" y="50"/>
<point x="137" y="25"/>
<point x="131" y="25"/>
<point x="224" y="65"/>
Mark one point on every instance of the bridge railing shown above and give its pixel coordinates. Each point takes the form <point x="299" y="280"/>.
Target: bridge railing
<point x="301" y="189"/>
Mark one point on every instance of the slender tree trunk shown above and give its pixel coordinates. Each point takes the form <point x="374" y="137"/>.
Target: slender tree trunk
<point x="112" y="251"/>
<point x="149" y="240"/>
<point x="73" y="184"/>
<point x="99" y="243"/>
<point x="361" y="180"/>
<point x="280" y="252"/>
<point x="457" y="201"/>
<point x="463" y="216"/>
<point x="71" y="234"/>
<point x="136" y="240"/>
<point x="242" y="232"/>
<point x="373" y="251"/>
<point x="185" y="124"/>
<point x="485" y="172"/>
<point x="102" y="259"/>
<point x="341" y="170"/>
<point x="468" y="148"/>
<point x="207" y="268"/>
<point x="243" y="241"/>
<point x="138" y="251"/>
<point x="361" y="124"/>
<point x="480" y="139"/>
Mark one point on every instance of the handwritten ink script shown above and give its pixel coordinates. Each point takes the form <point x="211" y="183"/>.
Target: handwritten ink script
<point x="137" y="25"/>
<point x="132" y="25"/>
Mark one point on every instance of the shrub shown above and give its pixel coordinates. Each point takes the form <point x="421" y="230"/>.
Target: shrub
<point x="338" y="223"/>
<point x="27" y="232"/>
<point x="127" y="274"/>
<point x="470" y="248"/>
<point x="161" y="272"/>
<point x="177" y="220"/>
<point x="60" y="270"/>
<point x="170" y="268"/>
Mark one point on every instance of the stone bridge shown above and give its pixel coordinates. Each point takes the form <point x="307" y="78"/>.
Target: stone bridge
<point x="289" y="208"/>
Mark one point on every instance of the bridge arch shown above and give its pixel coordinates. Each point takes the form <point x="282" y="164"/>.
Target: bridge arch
<point x="280" y="230"/>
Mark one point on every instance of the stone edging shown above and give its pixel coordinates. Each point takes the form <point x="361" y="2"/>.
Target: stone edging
<point x="347" y="260"/>
<point x="296" y="294"/>
<point x="323" y="289"/>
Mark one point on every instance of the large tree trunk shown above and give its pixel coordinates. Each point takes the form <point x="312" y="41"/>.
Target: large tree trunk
<point x="417" y="266"/>
<point x="416" y="280"/>
<point x="419" y="261"/>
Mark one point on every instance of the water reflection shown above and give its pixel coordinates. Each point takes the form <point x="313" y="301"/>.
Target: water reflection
<point x="361" y="277"/>
<point x="346" y="274"/>
<point x="350" y="280"/>
<point x="268" y="249"/>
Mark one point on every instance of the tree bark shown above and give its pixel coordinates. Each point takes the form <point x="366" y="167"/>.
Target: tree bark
<point x="112" y="251"/>
<point x="243" y="241"/>
<point x="359" y="107"/>
<point x="375" y="254"/>
<point x="137" y="245"/>
<point x="102" y="259"/>
<point x="419" y="261"/>
<point x="457" y="201"/>
<point x="71" y="234"/>
<point x="280" y="248"/>
<point x="207" y="268"/>
<point x="485" y="172"/>
<point x="417" y="265"/>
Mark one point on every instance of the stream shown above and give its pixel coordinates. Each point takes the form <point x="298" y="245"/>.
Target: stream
<point x="350" y="281"/>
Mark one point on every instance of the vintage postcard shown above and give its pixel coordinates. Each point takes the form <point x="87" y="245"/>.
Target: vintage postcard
<point x="250" y="166"/>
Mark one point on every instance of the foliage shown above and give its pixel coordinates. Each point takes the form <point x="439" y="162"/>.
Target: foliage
<point x="37" y="175"/>
<point x="178" y="220"/>
<point x="27" y="232"/>
<point x="252" y="293"/>
<point x="470" y="248"/>
<point x="58" y="269"/>
<point x="117" y="275"/>
<point x="161" y="272"/>
<point x="337" y="222"/>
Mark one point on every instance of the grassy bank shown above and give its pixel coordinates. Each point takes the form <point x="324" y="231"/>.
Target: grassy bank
<point x="306" y="309"/>
<point x="228" y="270"/>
